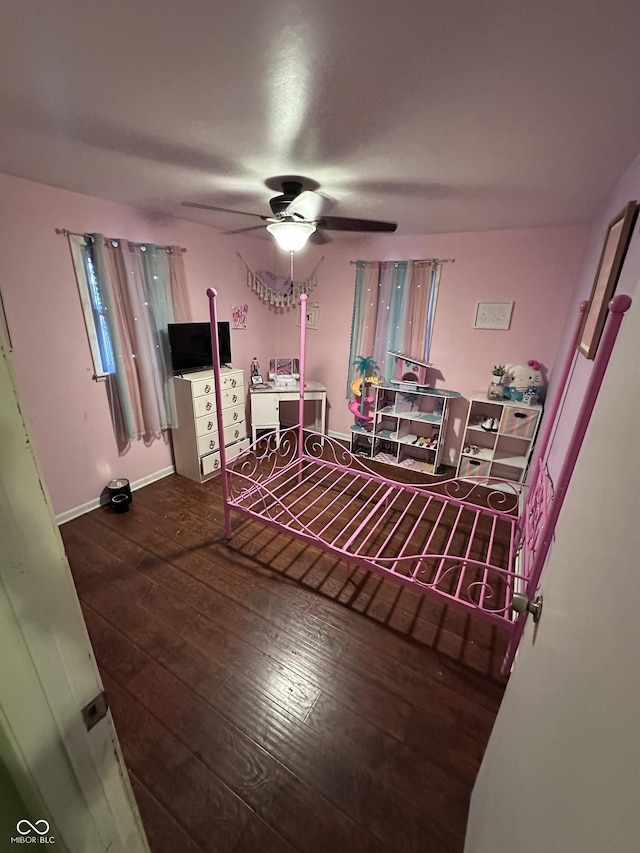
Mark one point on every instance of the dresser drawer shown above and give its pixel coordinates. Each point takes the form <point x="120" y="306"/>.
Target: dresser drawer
<point x="210" y="463"/>
<point x="206" y="424"/>
<point x="202" y="386"/>
<point x="204" y="405"/>
<point x="232" y="396"/>
<point x="233" y="416"/>
<point x="209" y="423"/>
<point x="520" y="423"/>
<point x="237" y="448"/>
<point x="207" y="443"/>
<point x="234" y="433"/>
<point x="234" y="380"/>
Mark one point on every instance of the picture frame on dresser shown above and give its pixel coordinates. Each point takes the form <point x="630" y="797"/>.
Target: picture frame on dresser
<point x="612" y="257"/>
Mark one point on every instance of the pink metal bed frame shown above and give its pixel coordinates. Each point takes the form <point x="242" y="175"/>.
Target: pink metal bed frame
<point x="479" y="544"/>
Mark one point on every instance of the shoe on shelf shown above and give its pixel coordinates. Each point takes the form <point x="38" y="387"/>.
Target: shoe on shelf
<point x="487" y="424"/>
<point x="495" y="424"/>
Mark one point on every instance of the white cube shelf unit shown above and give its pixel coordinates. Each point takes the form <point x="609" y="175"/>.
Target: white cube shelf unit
<point x="498" y="438"/>
<point x="408" y="427"/>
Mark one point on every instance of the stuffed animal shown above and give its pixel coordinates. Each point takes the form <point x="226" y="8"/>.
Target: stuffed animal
<point x="524" y="382"/>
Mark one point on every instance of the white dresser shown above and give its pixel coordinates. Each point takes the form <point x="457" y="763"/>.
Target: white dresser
<point x="196" y="444"/>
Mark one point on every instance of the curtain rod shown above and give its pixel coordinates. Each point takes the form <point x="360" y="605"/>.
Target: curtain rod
<point x="66" y="233"/>
<point x="416" y="261"/>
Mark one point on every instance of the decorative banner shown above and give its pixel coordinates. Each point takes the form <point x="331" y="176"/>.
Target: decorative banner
<point x="281" y="292"/>
<point x="239" y="316"/>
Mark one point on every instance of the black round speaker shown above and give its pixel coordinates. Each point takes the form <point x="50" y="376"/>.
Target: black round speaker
<point x="120" y="503"/>
<point x="119" y="494"/>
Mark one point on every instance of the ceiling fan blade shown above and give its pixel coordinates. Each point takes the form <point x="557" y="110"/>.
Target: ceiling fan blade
<point x="319" y="238"/>
<point x="306" y="206"/>
<point x="242" y="230"/>
<point x="223" y="209"/>
<point x="343" y="223"/>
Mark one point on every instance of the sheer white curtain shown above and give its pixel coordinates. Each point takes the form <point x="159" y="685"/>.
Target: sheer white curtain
<point x="143" y="289"/>
<point x="394" y="309"/>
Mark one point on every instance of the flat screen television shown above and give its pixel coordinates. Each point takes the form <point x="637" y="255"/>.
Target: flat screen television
<point x="190" y="345"/>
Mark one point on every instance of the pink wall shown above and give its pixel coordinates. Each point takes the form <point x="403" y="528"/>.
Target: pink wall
<point x="535" y="268"/>
<point x="627" y="189"/>
<point x="66" y="409"/>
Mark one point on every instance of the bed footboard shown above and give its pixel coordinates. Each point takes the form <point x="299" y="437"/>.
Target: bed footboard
<point x="453" y="540"/>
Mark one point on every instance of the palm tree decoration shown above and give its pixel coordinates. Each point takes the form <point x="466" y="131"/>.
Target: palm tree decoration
<point x="366" y="367"/>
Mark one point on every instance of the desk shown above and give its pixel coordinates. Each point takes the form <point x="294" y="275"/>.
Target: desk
<point x="266" y="399"/>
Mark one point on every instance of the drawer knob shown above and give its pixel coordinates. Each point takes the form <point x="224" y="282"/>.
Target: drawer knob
<point x="237" y="433"/>
<point x="210" y="425"/>
<point x="233" y="383"/>
<point x="212" y="444"/>
<point x="234" y="399"/>
<point x="207" y="388"/>
<point x="235" y="416"/>
<point x="216" y="464"/>
<point x="208" y="407"/>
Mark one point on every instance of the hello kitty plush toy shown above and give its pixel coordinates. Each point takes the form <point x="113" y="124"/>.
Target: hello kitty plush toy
<point x="524" y="381"/>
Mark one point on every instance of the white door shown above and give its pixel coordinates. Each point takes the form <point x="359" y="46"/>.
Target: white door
<point x="71" y="779"/>
<point x="562" y="770"/>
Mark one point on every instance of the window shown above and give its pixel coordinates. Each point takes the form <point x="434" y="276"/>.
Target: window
<point x="93" y="309"/>
<point x="394" y="309"/>
<point x="130" y="292"/>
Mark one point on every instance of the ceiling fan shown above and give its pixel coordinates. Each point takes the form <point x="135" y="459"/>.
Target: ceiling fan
<point x="296" y="216"/>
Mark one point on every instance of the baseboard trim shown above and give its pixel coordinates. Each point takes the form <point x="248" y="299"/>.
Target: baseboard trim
<point x="70" y="514"/>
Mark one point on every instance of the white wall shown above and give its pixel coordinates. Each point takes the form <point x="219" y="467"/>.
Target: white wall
<point x="562" y="770"/>
<point x="627" y="189"/>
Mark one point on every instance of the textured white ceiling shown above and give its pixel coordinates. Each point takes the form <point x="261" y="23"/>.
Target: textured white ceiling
<point x="442" y="116"/>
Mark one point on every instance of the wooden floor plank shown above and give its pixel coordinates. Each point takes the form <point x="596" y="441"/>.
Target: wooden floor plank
<point x="268" y="697"/>
<point x="209" y="812"/>
<point x="164" y="834"/>
<point x="243" y="766"/>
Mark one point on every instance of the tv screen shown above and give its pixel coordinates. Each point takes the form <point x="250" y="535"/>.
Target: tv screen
<point x="190" y="345"/>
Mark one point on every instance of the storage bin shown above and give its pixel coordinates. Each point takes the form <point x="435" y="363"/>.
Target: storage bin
<point x="520" y="423"/>
<point x="470" y="467"/>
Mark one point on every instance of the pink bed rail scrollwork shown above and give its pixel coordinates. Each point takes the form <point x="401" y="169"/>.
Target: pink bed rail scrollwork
<point x="477" y="543"/>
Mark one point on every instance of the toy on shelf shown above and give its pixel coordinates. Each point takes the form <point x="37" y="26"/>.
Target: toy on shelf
<point x="361" y="405"/>
<point x="410" y="370"/>
<point x="524" y="382"/>
<point x="496" y="387"/>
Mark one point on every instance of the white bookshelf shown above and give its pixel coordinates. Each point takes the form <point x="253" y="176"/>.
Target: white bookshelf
<point x="408" y="426"/>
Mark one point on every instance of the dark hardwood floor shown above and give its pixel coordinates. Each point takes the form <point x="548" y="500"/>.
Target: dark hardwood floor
<point x="270" y="698"/>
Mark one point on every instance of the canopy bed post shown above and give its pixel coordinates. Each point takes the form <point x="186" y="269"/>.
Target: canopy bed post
<point x="550" y="419"/>
<point x="551" y="416"/>
<point x="618" y="306"/>
<point x="303" y="341"/>
<point x="215" y="352"/>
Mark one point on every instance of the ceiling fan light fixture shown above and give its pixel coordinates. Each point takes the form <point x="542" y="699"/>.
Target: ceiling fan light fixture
<point x="291" y="236"/>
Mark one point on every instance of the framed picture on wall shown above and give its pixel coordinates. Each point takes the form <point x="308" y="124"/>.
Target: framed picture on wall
<point x="493" y="315"/>
<point x="609" y="266"/>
